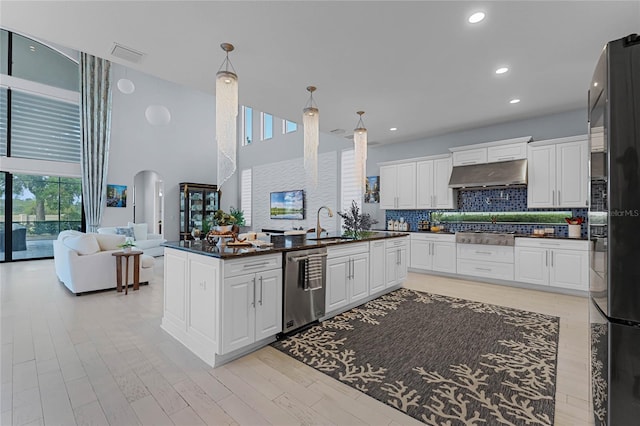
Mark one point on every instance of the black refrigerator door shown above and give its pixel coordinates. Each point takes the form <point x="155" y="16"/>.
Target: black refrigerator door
<point x="615" y="371"/>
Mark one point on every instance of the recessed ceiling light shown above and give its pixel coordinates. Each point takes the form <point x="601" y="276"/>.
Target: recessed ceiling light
<point x="514" y="101"/>
<point x="476" y="17"/>
<point x="393" y="129"/>
<point x="595" y="84"/>
<point x="502" y="70"/>
<point x="32" y="48"/>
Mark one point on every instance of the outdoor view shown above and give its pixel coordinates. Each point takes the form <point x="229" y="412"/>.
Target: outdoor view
<point x="42" y="207"/>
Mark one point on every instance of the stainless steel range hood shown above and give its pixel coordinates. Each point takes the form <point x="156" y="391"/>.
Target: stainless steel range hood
<point x="486" y="175"/>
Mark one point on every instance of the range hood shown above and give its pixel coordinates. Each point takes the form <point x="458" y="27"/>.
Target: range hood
<point x="486" y="175"/>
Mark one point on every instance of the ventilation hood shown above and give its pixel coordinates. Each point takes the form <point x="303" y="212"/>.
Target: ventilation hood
<point x="478" y="176"/>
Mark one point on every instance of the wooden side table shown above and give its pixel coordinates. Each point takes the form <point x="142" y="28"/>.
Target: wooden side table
<point x="136" y="269"/>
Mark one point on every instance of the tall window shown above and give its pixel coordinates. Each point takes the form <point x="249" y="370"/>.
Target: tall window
<point x="245" y="195"/>
<point x="267" y="126"/>
<point x="247" y="125"/>
<point x="349" y="190"/>
<point x="289" y="126"/>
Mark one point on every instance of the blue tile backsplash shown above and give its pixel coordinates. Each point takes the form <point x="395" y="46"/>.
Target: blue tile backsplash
<point x="489" y="200"/>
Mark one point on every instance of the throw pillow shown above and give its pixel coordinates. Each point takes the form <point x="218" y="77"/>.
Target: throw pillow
<point x="127" y="232"/>
<point x="139" y="230"/>
<point x="109" y="241"/>
<point x="84" y="244"/>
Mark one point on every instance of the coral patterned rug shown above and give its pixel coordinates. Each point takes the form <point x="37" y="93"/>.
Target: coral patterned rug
<point x="441" y="360"/>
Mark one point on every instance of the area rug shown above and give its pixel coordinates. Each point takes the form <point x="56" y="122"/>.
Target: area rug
<point x="441" y="360"/>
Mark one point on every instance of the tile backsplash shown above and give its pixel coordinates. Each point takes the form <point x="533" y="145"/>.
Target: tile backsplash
<point x="489" y="200"/>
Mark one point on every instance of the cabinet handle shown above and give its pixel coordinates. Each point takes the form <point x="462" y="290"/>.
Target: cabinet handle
<point x="483" y="269"/>
<point x="254" y="265"/>
<point x="553" y="196"/>
<point x="429" y="250"/>
<point x="552" y="259"/>
<point x="506" y="158"/>
<point x="253" y="303"/>
<point x="260" y="300"/>
<point x="468" y="162"/>
<point x="559" y="199"/>
<point x="546" y="258"/>
<point x="483" y="252"/>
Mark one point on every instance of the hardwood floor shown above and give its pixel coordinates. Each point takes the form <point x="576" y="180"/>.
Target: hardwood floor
<point x="102" y="359"/>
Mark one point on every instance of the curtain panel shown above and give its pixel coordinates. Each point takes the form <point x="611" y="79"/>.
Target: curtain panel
<point x="95" y="110"/>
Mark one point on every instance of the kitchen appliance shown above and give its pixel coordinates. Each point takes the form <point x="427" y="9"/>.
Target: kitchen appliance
<point x="486" y="238"/>
<point x="304" y="287"/>
<point x="614" y="133"/>
<point x="487" y="175"/>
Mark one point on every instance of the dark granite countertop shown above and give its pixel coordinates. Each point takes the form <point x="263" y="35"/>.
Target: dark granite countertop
<point x="550" y="237"/>
<point x="281" y="243"/>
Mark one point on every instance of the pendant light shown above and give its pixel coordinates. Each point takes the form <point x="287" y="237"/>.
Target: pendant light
<point x="226" y="117"/>
<point x="311" y="124"/>
<point x="360" y="152"/>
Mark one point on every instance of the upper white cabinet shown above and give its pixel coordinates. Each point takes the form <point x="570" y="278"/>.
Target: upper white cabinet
<point x="491" y="152"/>
<point x="398" y="186"/>
<point x="558" y="173"/>
<point x="432" y="189"/>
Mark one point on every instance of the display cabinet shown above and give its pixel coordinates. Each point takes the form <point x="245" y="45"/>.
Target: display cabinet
<point x="198" y="201"/>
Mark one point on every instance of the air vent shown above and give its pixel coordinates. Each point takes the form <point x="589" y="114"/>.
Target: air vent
<point x="337" y="131"/>
<point x="126" y="53"/>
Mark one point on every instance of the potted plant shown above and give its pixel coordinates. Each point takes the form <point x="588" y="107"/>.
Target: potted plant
<point x="238" y="215"/>
<point x="223" y="221"/>
<point x="356" y="224"/>
<point x="126" y="246"/>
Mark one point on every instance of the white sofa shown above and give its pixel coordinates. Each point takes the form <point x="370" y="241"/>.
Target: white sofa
<point x="149" y="243"/>
<point x="84" y="262"/>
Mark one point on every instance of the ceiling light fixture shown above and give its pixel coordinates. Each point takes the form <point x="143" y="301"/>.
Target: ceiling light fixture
<point x="393" y="129"/>
<point x="32" y="48"/>
<point x="226" y="117"/>
<point x="360" y="152"/>
<point x="514" y="101"/>
<point x="311" y="124"/>
<point x="502" y="70"/>
<point x="476" y="17"/>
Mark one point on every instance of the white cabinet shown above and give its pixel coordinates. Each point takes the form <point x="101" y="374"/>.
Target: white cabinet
<point x="491" y="152"/>
<point x="487" y="261"/>
<point x="396" y="261"/>
<point x="398" y="186"/>
<point x="432" y="188"/>
<point x="251" y="302"/>
<point x="513" y="151"/>
<point x="347" y="275"/>
<point x="175" y="287"/>
<point x="557" y="173"/>
<point x="470" y="156"/>
<point x="433" y="252"/>
<point x="203" y="291"/>
<point x="377" y="259"/>
<point x="554" y="263"/>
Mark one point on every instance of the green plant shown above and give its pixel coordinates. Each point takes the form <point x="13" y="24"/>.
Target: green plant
<point x="220" y="218"/>
<point x="356" y="224"/>
<point x="238" y="215"/>
<point x="127" y="243"/>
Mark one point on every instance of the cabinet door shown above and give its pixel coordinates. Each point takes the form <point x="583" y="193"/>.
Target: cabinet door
<point x="569" y="269"/>
<point x="268" y="303"/>
<point x="388" y="186"/>
<point x="338" y="273"/>
<point x="391" y="267"/>
<point x="421" y="255"/>
<point x="541" y="166"/>
<point x="403" y="263"/>
<point x="203" y="291"/>
<point x="406" y="186"/>
<point x="444" y="256"/>
<point x="443" y="195"/>
<point x="532" y="265"/>
<point x="238" y="312"/>
<point x="425" y="195"/>
<point x="359" y="284"/>
<point x="470" y="156"/>
<point x="175" y="281"/>
<point x="377" y="259"/>
<point x="572" y="174"/>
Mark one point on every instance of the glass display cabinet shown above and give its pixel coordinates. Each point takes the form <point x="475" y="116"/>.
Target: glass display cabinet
<point x="198" y="202"/>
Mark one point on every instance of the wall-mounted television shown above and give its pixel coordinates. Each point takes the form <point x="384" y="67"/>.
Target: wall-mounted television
<point x="287" y="205"/>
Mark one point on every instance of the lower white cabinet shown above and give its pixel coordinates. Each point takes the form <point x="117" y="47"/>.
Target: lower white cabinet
<point x="554" y="263"/>
<point x="175" y="287"/>
<point x="377" y="259"/>
<point x="486" y="261"/>
<point x="203" y="292"/>
<point x="396" y="261"/>
<point x="347" y="275"/>
<point x="433" y="252"/>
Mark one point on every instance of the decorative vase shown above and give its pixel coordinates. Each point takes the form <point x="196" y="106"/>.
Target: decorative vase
<point x="127" y="249"/>
<point x="223" y="228"/>
<point x="574" y="231"/>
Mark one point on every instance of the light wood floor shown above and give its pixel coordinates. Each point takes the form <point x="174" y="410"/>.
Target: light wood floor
<point x="102" y="359"/>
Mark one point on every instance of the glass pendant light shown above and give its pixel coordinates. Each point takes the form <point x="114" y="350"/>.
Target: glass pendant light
<point x="226" y="117"/>
<point x="360" y="152"/>
<point x="311" y="124"/>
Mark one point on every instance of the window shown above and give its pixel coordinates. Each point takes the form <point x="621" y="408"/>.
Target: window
<point x="289" y="126"/>
<point x="349" y="190"/>
<point x="267" y="126"/>
<point x="247" y="125"/>
<point x="3" y="121"/>
<point x="245" y="195"/>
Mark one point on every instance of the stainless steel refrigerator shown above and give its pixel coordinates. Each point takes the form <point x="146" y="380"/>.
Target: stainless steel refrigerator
<point x="614" y="232"/>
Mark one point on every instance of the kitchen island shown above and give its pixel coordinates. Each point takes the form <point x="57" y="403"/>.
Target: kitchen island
<point x="222" y="302"/>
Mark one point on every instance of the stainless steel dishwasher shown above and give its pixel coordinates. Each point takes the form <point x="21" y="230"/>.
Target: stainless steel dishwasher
<point x="304" y="287"/>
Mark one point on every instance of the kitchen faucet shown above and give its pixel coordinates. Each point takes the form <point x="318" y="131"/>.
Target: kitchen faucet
<point x="318" y="227"/>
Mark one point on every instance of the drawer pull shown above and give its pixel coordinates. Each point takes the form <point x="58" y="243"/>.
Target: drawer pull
<point x="468" y="162"/>
<point x="483" y="269"/>
<point x="506" y="158"/>
<point x="255" y="265"/>
<point x="483" y="252"/>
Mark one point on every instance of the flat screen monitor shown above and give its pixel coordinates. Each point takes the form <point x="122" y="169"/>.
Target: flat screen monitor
<point x="287" y="205"/>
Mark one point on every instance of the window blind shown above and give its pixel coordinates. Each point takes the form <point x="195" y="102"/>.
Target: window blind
<point x="245" y="195"/>
<point x="3" y="121"/>
<point x="349" y="191"/>
<point x="44" y="128"/>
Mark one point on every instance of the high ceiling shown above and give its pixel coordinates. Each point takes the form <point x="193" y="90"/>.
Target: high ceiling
<point x="415" y="65"/>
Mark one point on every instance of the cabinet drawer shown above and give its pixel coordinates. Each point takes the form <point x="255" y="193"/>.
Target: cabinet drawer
<point x="450" y="238"/>
<point x="470" y="156"/>
<point x="499" y="271"/>
<point x="550" y="243"/>
<point x="347" y="249"/>
<point x="485" y="253"/>
<point x="397" y="242"/>
<point x="508" y="152"/>
<point x="252" y="264"/>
